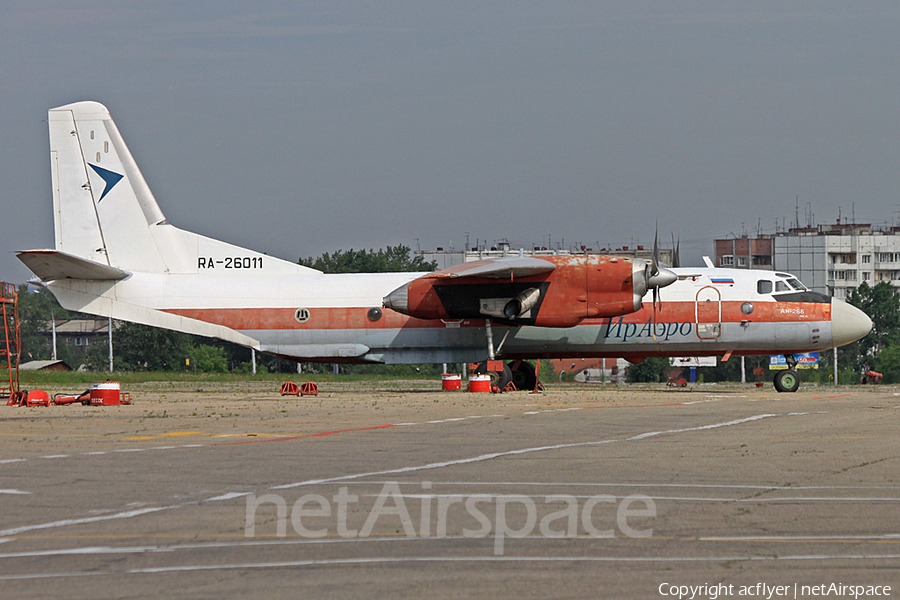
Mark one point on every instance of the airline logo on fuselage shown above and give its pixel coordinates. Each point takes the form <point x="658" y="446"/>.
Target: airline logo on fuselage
<point x="622" y="331"/>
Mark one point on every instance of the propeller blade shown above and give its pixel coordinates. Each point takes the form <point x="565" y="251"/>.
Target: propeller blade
<point x="676" y="262"/>
<point x="654" y="269"/>
<point x="676" y="252"/>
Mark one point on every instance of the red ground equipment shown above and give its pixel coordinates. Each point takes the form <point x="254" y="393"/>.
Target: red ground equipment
<point x="37" y="398"/>
<point x="872" y="377"/>
<point x="10" y="344"/>
<point x="309" y="389"/>
<point x="304" y="389"/>
<point x="674" y="378"/>
<point x="451" y="381"/>
<point x="64" y="399"/>
<point x="289" y="388"/>
<point x="108" y="393"/>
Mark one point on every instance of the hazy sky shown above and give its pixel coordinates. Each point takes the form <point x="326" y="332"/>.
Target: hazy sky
<point x="297" y="128"/>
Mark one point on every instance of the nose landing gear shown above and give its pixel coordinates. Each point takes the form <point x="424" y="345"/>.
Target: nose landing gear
<point x="789" y="380"/>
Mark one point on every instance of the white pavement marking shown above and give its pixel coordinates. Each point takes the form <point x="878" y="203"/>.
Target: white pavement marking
<point x="459" y="559"/>
<point x="14" y="492"/>
<point x="83" y="520"/>
<point x="438" y="465"/>
<point x="228" y="496"/>
<point x="650" y="485"/>
<point x="493" y="455"/>
<point x="702" y="427"/>
<point x="436" y="422"/>
<point x="800" y="538"/>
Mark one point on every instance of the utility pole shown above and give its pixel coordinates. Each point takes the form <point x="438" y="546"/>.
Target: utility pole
<point x="110" y="346"/>
<point x="835" y="367"/>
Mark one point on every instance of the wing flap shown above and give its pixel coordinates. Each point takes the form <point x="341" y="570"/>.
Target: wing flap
<point x="51" y="265"/>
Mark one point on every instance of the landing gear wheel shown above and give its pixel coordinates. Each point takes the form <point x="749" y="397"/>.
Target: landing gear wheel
<point x="523" y="375"/>
<point x="499" y="378"/>
<point x="787" y="381"/>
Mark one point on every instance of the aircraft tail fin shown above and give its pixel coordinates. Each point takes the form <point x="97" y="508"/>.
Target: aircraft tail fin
<point x="103" y="208"/>
<point x="105" y="213"/>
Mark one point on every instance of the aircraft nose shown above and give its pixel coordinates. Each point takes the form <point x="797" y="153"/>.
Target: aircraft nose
<point x="848" y="323"/>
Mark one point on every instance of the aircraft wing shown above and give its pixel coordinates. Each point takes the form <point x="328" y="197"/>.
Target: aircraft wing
<point x="51" y="265"/>
<point x="498" y="268"/>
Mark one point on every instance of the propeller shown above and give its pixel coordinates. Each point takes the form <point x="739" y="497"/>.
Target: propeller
<point x="657" y="277"/>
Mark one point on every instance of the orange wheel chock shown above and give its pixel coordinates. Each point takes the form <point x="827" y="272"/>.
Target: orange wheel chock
<point x="290" y="389"/>
<point x="309" y="389"/>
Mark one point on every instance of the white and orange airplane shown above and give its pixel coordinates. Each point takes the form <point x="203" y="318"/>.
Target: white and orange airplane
<point x="117" y="256"/>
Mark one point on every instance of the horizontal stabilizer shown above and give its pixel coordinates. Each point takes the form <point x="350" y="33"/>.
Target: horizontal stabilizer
<point x="499" y="268"/>
<point x="51" y="265"/>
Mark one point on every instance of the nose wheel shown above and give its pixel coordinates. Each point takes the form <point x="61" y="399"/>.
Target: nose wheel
<point x="789" y="380"/>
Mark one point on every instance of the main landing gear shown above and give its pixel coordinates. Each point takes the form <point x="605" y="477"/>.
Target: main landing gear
<point x="518" y="372"/>
<point x="522" y="374"/>
<point x="500" y="378"/>
<point x="789" y="380"/>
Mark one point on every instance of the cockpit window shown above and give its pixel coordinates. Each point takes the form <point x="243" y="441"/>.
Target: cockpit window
<point x="781" y="286"/>
<point x="764" y="286"/>
<point x="794" y="283"/>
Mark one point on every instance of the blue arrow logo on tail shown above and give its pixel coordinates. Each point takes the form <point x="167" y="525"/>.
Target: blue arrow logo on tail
<point x="109" y="177"/>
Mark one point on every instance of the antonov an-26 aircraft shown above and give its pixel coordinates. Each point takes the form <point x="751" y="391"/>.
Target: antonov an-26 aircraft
<point x="116" y="255"/>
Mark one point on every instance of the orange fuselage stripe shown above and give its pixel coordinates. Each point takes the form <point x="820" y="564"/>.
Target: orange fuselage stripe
<point x="273" y="319"/>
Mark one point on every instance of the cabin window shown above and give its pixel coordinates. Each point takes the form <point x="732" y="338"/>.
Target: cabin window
<point x="764" y="286"/>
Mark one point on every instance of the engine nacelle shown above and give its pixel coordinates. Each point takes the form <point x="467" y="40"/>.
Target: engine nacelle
<point x="579" y="287"/>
